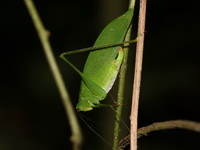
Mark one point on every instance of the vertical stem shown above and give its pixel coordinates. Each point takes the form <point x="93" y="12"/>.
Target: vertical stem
<point x="121" y="86"/>
<point x="76" y="137"/>
<point x="120" y="96"/>
<point x="137" y="75"/>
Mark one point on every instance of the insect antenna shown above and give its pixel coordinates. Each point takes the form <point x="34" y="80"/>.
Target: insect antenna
<point x="86" y="118"/>
<point x="94" y="131"/>
<point x="120" y="119"/>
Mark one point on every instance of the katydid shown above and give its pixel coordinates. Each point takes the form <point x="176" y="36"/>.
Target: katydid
<point x="102" y="66"/>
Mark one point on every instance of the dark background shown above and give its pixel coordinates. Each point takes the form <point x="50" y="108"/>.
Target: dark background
<point x="31" y="113"/>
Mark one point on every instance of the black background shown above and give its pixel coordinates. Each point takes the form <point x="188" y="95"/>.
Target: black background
<point x="31" y="113"/>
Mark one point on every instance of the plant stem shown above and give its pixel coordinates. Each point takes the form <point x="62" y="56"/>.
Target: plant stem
<point x="137" y="75"/>
<point x="132" y="4"/>
<point x="158" y="126"/>
<point x="121" y="86"/>
<point x="120" y="96"/>
<point x="76" y="137"/>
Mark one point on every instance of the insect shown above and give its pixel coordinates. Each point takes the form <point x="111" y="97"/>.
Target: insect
<point x="102" y="66"/>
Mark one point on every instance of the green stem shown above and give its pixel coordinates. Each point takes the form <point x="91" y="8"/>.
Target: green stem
<point x="76" y="137"/>
<point x="121" y="87"/>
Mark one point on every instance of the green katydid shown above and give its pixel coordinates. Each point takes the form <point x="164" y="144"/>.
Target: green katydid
<point x="102" y="66"/>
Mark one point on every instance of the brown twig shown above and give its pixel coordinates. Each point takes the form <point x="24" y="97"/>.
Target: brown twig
<point x="166" y="125"/>
<point x="137" y="76"/>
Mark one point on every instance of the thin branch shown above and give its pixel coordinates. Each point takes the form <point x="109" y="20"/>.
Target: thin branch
<point x="137" y="75"/>
<point x="76" y="137"/>
<point x="166" y="125"/>
<point x="121" y="86"/>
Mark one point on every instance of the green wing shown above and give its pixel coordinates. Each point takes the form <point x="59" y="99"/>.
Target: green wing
<point x="102" y="66"/>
